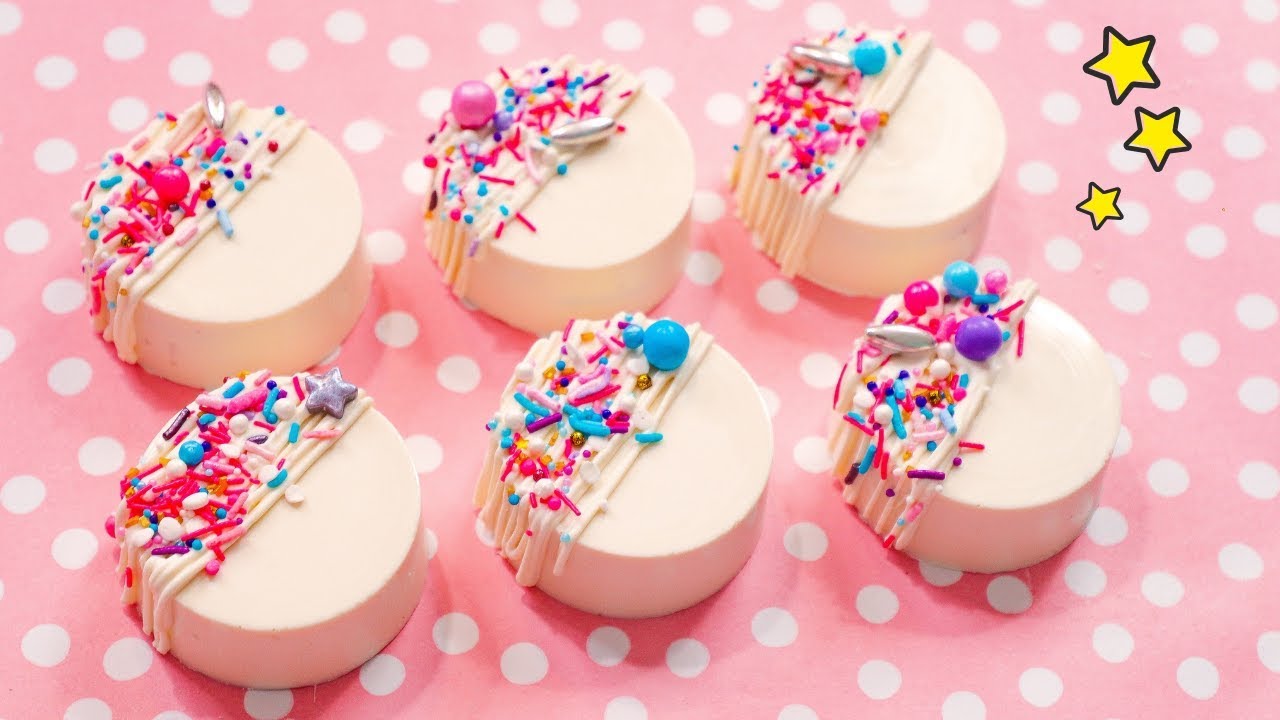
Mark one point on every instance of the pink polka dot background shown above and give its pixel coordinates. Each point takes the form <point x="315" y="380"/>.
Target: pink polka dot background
<point x="1169" y="606"/>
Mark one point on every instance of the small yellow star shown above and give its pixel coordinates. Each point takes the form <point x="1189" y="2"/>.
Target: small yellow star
<point x="1157" y="136"/>
<point x="1125" y="64"/>
<point x="1101" y="205"/>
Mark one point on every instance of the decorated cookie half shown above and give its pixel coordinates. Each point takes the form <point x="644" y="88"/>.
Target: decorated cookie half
<point x="270" y="536"/>
<point x="223" y="238"/>
<point x="559" y="189"/>
<point x="626" y="467"/>
<point x="868" y="161"/>
<point x="972" y="423"/>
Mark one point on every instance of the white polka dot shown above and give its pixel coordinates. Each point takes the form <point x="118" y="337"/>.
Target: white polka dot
<point x="458" y="373"/>
<point x="765" y="4"/>
<point x="455" y="633"/>
<point x="1199" y="348"/>
<point x="127" y="114"/>
<point x="1085" y="578"/>
<point x="797" y="712"/>
<point x="1136" y="217"/>
<point x="384" y="247"/>
<point x="1262" y="75"/>
<point x="876" y="604"/>
<point x="408" y="52"/>
<point x="46" y="645"/>
<point x="1240" y="562"/>
<point x="10" y="18"/>
<point x="712" y="20"/>
<point x="345" y="26"/>
<point x="54" y="156"/>
<point x="558" y="13"/>
<point x="608" y="646"/>
<point x="657" y="81"/>
<point x="622" y="35"/>
<point x="1062" y="254"/>
<point x="7" y="344"/>
<point x="1256" y="312"/>
<point x="287" y="54"/>
<point x="498" y="38"/>
<point x="524" y="663"/>
<point x="1040" y="686"/>
<point x="1194" y="185"/>
<point x="432" y="104"/>
<point x="87" y="709"/>
<point x="415" y="178"/>
<point x="1009" y="595"/>
<point x="74" y="548"/>
<point x="987" y="263"/>
<point x="824" y="16"/>
<point x="382" y="675"/>
<point x="1269" y="650"/>
<point x="1259" y="479"/>
<point x="1107" y="526"/>
<point x="1118" y="368"/>
<point x="63" y="295"/>
<point x="268" y="704"/>
<point x="70" y="376"/>
<point x="708" y="206"/>
<point x="687" y="658"/>
<point x="55" y="72"/>
<point x="1259" y="394"/>
<point x="172" y="715"/>
<point x="425" y="451"/>
<point x="805" y="541"/>
<point x="777" y="296"/>
<point x="1243" y="142"/>
<point x="1198" y="678"/>
<point x="1168" y="478"/>
<point x="1064" y="37"/>
<point x="1112" y="642"/>
<point x="879" y="679"/>
<point x="484" y="534"/>
<point x="1262" y="11"/>
<point x="431" y="541"/>
<point x="703" y="268"/>
<point x="1037" y="178"/>
<point x="1060" y="108"/>
<point x="1206" y="241"/>
<point x="101" y="456"/>
<point x="963" y="705"/>
<point x="981" y="36"/>
<point x="21" y="494"/>
<point x="26" y="236"/>
<point x="625" y="708"/>
<point x="124" y="43"/>
<point x="1190" y="122"/>
<point x="190" y="69"/>
<point x="1267" y="219"/>
<point x="1199" y="39"/>
<point x="1128" y="295"/>
<point x="810" y="454"/>
<point x="939" y="576"/>
<point x="396" y="329"/>
<point x="127" y="659"/>
<point x="909" y="8"/>
<point x="363" y="135"/>
<point x="819" y="370"/>
<point x="1125" y="161"/>
<point x="725" y="108"/>
<point x="1124" y="442"/>
<point x="1162" y="589"/>
<point x="774" y="627"/>
<point x="230" y="8"/>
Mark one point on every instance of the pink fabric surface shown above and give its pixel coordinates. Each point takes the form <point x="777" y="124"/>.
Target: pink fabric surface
<point x="1168" y="607"/>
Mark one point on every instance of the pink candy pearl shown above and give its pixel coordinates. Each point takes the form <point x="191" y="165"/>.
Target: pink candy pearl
<point x="473" y="103"/>
<point x="920" y="296"/>
<point x="171" y="184"/>
<point x="869" y="119"/>
<point x="996" y="282"/>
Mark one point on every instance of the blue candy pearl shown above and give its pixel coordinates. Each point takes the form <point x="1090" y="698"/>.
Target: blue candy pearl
<point x="960" y="279"/>
<point x="869" y="56"/>
<point x="666" y="344"/>
<point x="633" y="336"/>
<point x="191" y="452"/>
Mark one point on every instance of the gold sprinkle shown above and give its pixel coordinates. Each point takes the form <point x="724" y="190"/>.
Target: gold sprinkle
<point x="884" y="118"/>
<point x="578" y="439"/>
<point x="588" y="336"/>
<point x="644" y="382"/>
<point x="549" y="373"/>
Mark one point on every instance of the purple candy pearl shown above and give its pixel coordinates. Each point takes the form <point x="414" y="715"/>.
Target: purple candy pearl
<point x="473" y="103"/>
<point x="502" y="121"/>
<point x="978" y="338"/>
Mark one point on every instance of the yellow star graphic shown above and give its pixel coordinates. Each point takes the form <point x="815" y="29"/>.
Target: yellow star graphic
<point x="1157" y="136"/>
<point x="1125" y="64"/>
<point x="1101" y="205"/>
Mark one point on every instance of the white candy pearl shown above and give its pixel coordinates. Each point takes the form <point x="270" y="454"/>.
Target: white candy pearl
<point x="536" y="446"/>
<point x="195" y="501"/>
<point x="285" y="409"/>
<point x="267" y="473"/>
<point x="239" y="424"/>
<point x="524" y="371"/>
<point x="544" y="488"/>
<point x="139" y="536"/>
<point x="946" y="350"/>
<point x="588" y="471"/>
<point x="230" y="450"/>
<point x="170" y="529"/>
<point x="638" y="365"/>
<point x="939" y="368"/>
<point x="175" y="467"/>
<point x="863" y="398"/>
<point x="513" y="419"/>
<point x="883" y="414"/>
<point x="293" y="495"/>
<point x="625" y="404"/>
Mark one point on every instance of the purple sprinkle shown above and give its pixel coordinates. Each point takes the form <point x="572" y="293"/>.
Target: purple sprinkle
<point x="927" y="474"/>
<point x="890" y="492"/>
<point x="176" y="425"/>
<point x="890" y="318"/>
<point x="171" y="550"/>
<point x="596" y="82"/>
<point x="257" y="439"/>
<point x="542" y="422"/>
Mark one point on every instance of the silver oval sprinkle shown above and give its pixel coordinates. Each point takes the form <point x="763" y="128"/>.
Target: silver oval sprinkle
<point x="583" y="132"/>
<point x="215" y="107"/>
<point x="901" y="338"/>
<point x="821" y="58"/>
